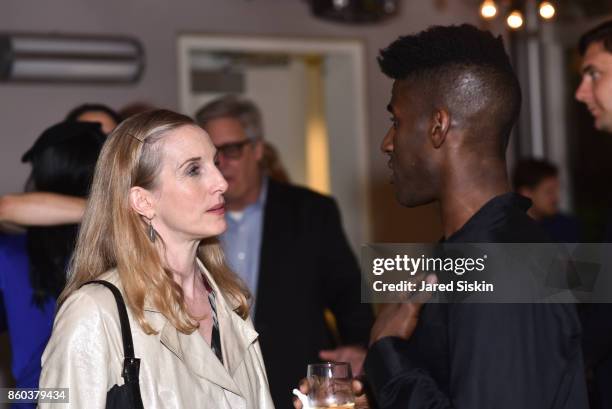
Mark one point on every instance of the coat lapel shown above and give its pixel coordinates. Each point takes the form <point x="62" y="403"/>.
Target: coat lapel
<point x="236" y="337"/>
<point x="237" y="334"/>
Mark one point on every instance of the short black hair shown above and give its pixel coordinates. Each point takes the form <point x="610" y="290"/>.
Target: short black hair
<point x="600" y="34"/>
<point x="466" y="68"/>
<point x="530" y="172"/>
<point x="76" y="112"/>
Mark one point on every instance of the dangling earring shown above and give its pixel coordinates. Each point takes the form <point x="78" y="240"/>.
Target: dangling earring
<point x="151" y="231"/>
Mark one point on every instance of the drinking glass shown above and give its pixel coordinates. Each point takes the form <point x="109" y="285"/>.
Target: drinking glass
<point x="330" y="386"/>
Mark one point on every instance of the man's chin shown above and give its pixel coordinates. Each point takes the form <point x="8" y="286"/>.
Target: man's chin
<point x="604" y="125"/>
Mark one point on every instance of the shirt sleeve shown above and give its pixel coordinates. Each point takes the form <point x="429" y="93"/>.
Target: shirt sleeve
<point x="77" y="355"/>
<point x="503" y="356"/>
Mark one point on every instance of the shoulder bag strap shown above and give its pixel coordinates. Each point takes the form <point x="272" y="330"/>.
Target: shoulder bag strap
<point x="131" y="364"/>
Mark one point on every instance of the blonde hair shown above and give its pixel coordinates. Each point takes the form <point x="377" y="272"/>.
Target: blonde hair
<point x="113" y="235"/>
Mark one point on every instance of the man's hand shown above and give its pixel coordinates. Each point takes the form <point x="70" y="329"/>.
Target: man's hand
<point x="400" y="319"/>
<point x="353" y="354"/>
<point x="361" y="400"/>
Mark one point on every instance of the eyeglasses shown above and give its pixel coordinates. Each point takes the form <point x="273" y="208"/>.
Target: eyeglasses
<point x="232" y="150"/>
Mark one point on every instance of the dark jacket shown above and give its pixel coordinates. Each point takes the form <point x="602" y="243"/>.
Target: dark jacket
<point x="306" y="266"/>
<point x="485" y="356"/>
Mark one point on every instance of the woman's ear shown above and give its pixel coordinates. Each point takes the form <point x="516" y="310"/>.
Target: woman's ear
<point x="142" y="201"/>
<point x="440" y="125"/>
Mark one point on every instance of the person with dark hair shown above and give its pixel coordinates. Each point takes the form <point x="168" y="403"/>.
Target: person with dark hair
<point x="33" y="265"/>
<point x="538" y="180"/>
<point x="47" y="208"/>
<point x="100" y="113"/>
<point x="455" y="99"/>
<point x="595" y="91"/>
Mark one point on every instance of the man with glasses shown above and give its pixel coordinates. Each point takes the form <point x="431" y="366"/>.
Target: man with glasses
<point x="288" y="245"/>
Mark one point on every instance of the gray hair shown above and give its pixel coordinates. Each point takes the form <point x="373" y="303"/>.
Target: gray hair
<point x="231" y="106"/>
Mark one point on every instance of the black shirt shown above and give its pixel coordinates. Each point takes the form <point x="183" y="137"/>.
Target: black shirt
<point x="485" y="356"/>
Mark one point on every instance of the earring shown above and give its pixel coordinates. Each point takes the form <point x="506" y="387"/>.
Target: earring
<point x="151" y="231"/>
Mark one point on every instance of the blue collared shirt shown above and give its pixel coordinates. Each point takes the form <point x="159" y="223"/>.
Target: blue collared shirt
<point x="242" y="240"/>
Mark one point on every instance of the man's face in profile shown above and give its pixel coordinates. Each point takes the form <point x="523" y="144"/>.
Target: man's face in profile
<point x="408" y="147"/>
<point x="238" y="156"/>
<point x="595" y="89"/>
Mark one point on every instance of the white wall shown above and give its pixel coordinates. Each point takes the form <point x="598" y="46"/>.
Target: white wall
<point x="27" y="109"/>
<point x="280" y="94"/>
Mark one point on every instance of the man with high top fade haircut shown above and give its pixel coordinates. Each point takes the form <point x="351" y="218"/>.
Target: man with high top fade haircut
<point x="454" y="101"/>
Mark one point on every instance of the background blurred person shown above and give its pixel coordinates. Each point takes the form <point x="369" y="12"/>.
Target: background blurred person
<point x="539" y="181"/>
<point x="595" y="91"/>
<point x="155" y="208"/>
<point x="33" y="265"/>
<point x="288" y="245"/>
<point x="100" y="113"/>
<point x="47" y="208"/>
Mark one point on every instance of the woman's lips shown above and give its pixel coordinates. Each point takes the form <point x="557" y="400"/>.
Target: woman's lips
<point x="219" y="209"/>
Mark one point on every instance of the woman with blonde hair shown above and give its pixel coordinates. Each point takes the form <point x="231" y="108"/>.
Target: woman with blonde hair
<point x="155" y="208"/>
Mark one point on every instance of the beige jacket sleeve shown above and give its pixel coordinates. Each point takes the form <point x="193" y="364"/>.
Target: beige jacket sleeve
<point x="77" y="355"/>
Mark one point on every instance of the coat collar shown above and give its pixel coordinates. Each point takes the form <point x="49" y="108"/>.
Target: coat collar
<point x="236" y="337"/>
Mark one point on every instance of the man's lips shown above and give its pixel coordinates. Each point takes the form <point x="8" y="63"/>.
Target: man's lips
<point x="593" y="110"/>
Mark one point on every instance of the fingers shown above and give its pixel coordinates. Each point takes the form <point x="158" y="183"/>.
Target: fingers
<point x="357" y="387"/>
<point x="304" y="386"/>
<point x="328" y="355"/>
<point x="421" y="297"/>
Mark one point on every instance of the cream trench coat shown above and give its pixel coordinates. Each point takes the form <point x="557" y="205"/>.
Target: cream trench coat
<point x="85" y="354"/>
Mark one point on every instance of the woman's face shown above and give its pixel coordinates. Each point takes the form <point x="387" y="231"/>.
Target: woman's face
<point x="188" y="196"/>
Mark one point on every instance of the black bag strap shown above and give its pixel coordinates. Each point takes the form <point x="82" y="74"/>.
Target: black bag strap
<point x="131" y="364"/>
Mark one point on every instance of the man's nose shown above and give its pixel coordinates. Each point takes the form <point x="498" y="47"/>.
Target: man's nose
<point x="583" y="91"/>
<point x="387" y="143"/>
<point x="221" y="161"/>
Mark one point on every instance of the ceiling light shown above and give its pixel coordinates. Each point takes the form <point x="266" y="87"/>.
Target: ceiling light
<point x="547" y="10"/>
<point x="63" y="58"/>
<point x="515" y="20"/>
<point x="488" y="9"/>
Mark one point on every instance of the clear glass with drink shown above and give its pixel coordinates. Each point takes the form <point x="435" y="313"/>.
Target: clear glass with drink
<point x="330" y="386"/>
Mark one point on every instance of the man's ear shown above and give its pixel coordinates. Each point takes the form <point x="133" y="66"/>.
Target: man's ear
<point x="524" y="191"/>
<point x="259" y="150"/>
<point x="439" y="127"/>
<point x="142" y="201"/>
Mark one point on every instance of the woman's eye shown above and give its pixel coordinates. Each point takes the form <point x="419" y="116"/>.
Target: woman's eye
<point x="193" y="170"/>
<point x="393" y="122"/>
